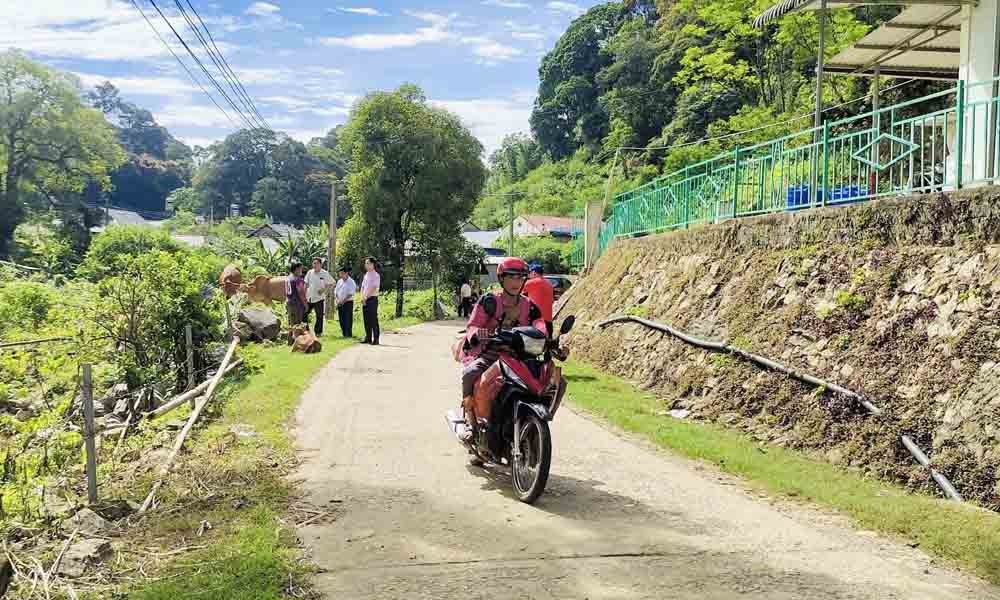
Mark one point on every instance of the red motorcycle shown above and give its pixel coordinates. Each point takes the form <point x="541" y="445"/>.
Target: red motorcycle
<point x="515" y="399"/>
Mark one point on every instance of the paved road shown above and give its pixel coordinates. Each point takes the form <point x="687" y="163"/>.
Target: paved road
<point x="618" y="520"/>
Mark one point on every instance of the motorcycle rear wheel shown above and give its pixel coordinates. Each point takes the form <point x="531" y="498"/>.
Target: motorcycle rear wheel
<point x="530" y="472"/>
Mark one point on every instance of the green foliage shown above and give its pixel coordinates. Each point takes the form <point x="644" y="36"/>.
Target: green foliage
<point x="413" y="165"/>
<point x="43" y="246"/>
<point x="269" y="174"/>
<point x="59" y="145"/>
<point x="517" y="156"/>
<point x="115" y="249"/>
<point x="145" y="306"/>
<point x="24" y="305"/>
<point x="850" y="300"/>
<point x="554" y="255"/>
<point x="185" y="199"/>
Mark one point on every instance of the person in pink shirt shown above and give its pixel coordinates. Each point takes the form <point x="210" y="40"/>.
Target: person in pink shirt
<point x="506" y="309"/>
<point x="369" y="302"/>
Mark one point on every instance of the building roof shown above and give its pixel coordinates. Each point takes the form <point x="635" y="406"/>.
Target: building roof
<point x="275" y="230"/>
<point x="550" y="224"/>
<point x="486" y="239"/>
<point x="470" y="227"/>
<point x="923" y="41"/>
<point x="195" y="241"/>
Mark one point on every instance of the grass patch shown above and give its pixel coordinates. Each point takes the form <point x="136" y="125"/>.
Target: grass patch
<point x="238" y="484"/>
<point x="968" y="536"/>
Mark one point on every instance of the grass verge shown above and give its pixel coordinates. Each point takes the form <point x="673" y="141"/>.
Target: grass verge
<point x="965" y="535"/>
<point x="234" y="478"/>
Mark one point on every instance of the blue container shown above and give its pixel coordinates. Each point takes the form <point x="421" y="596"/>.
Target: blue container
<point x="848" y="193"/>
<point x="797" y="197"/>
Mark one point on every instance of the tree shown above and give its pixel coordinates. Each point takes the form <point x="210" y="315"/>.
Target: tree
<point x="185" y="199"/>
<point x="517" y="156"/>
<point x="50" y="143"/>
<point x="567" y="114"/>
<point x="412" y="165"/>
<point x="237" y="164"/>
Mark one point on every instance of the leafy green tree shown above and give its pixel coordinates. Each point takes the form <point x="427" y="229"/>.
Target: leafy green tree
<point x="114" y="249"/>
<point x="411" y="164"/>
<point x="567" y="113"/>
<point x="50" y="143"/>
<point x="517" y="156"/>
<point x="185" y="199"/>
<point x="236" y="165"/>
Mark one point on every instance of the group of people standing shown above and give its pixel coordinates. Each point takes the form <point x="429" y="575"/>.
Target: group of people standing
<point x="307" y="292"/>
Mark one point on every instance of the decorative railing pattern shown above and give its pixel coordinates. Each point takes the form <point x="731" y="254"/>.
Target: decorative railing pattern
<point x="941" y="141"/>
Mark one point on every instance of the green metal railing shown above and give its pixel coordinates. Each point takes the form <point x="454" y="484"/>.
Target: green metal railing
<point x="941" y="141"/>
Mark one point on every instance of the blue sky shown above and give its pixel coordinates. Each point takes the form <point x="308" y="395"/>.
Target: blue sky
<point x="305" y="61"/>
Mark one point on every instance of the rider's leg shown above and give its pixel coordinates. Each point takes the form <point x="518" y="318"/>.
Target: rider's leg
<point x="470" y="375"/>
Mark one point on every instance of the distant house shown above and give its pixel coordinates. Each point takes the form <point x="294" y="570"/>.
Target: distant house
<point x="529" y="225"/>
<point x="121" y="216"/>
<point x="470" y="227"/>
<point x="270" y="234"/>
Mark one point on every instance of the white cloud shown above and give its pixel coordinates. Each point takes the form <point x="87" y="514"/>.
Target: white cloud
<point x="262" y="9"/>
<point x="79" y="29"/>
<point x="490" y="119"/>
<point x="142" y="86"/>
<point x="490" y="50"/>
<point x="362" y="10"/>
<point x="302" y="75"/>
<point x="436" y="32"/>
<point x="568" y="8"/>
<point x="506" y="4"/>
<point x="188" y="115"/>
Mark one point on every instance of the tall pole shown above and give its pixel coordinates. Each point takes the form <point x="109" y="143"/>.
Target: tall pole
<point x="331" y="252"/>
<point x="814" y="191"/>
<point x="87" y="389"/>
<point x="820" y="59"/>
<point x="511" y="196"/>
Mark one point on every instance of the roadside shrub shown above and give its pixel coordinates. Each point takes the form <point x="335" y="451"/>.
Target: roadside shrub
<point x="24" y="305"/>
<point x="113" y="250"/>
<point x="146" y="306"/>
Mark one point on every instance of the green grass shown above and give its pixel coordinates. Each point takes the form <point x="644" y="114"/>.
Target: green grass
<point x="251" y="553"/>
<point x="965" y="535"/>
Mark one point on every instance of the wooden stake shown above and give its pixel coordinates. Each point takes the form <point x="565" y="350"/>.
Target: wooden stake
<point x="190" y="395"/>
<point x="88" y="433"/>
<point x="188" y="341"/>
<point x="179" y="443"/>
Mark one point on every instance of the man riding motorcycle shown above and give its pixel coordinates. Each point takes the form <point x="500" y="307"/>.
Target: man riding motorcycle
<point x="501" y="310"/>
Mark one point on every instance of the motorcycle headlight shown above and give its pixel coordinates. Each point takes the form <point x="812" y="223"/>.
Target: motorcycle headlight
<point x="532" y="345"/>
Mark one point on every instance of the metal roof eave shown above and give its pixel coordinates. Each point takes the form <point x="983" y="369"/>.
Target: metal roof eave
<point x="785" y="7"/>
<point x="943" y="74"/>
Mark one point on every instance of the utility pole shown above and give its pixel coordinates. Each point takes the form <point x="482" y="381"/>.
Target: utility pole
<point x="511" y="196"/>
<point x="331" y="252"/>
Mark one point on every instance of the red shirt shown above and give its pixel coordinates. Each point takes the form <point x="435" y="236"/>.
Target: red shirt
<point x="542" y="294"/>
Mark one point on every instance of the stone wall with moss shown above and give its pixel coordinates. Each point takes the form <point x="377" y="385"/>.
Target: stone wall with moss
<point x="897" y="299"/>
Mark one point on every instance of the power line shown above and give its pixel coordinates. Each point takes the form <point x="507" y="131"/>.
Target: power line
<point x="181" y="62"/>
<point x="221" y="64"/>
<point x="226" y="63"/>
<point x="197" y="60"/>
<point x="211" y="54"/>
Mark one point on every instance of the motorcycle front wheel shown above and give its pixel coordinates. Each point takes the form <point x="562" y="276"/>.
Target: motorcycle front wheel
<point x="530" y="470"/>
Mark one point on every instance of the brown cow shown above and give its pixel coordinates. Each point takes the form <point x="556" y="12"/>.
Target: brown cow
<point x="266" y="289"/>
<point x="231" y="280"/>
<point x="303" y="340"/>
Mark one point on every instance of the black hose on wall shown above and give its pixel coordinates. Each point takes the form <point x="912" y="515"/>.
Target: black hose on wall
<point x="769" y="364"/>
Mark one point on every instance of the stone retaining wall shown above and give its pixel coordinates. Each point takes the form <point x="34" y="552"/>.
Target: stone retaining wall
<point x="897" y="299"/>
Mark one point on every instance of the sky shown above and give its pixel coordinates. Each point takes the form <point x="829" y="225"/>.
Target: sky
<point x="304" y="62"/>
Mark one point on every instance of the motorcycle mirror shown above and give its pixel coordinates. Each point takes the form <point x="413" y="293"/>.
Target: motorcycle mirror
<point x="567" y="325"/>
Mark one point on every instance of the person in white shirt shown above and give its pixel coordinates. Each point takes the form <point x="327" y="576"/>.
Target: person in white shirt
<point x="465" y="309"/>
<point x="343" y="295"/>
<point x="369" y="302"/>
<point x="318" y="281"/>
